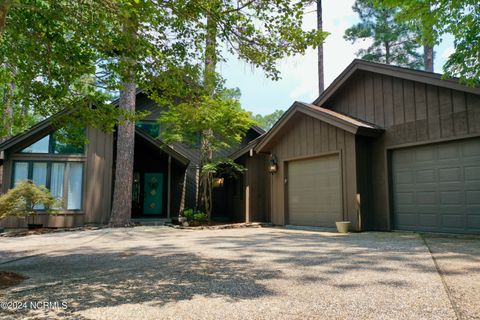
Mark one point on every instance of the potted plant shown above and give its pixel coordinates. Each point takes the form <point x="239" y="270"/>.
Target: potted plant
<point x="23" y="201"/>
<point x="342" y="226"/>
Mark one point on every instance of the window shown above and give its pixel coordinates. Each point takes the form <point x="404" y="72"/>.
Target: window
<point x="41" y="146"/>
<point x="62" y="141"/>
<point x="151" y="127"/>
<point x="63" y="179"/>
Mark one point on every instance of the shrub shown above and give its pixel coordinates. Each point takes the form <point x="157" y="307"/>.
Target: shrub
<point x="192" y="215"/>
<point x="21" y="200"/>
<point x="200" y="217"/>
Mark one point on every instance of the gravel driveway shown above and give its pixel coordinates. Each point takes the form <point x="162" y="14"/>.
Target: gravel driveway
<point x="254" y="273"/>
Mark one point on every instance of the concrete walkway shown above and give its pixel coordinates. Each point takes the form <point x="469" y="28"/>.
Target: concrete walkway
<point x="261" y="273"/>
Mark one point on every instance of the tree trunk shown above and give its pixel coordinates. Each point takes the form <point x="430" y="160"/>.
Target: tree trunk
<point x="7" y="120"/>
<point x="428" y="58"/>
<point x="206" y="150"/>
<point x="387" y="53"/>
<point x="321" y="80"/>
<point x="122" y="192"/>
<point x="4" y="7"/>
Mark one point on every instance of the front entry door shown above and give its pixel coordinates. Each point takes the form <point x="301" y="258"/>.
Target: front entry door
<point x="153" y="193"/>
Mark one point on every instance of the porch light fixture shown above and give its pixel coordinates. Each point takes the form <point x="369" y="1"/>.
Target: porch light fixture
<point x="273" y="166"/>
<point x="218" y="182"/>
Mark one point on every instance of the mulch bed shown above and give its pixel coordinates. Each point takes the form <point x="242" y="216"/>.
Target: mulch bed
<point x="224" y="226"/>
<point x="25" y="232"/>
<point x="10" y="279"/>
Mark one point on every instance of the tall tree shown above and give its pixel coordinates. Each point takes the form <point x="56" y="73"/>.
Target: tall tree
<point x="258" y="32"/>
<point x="122" y="202"/>
<point x="392" y="42"/>
<point x="428" y="56"/>
<point x="436" y="18"/>
<point x="321" y="76"/>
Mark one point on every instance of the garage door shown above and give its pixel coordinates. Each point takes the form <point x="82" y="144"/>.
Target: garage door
<point x="437" y="187"/>
<point x="314" y="192"/>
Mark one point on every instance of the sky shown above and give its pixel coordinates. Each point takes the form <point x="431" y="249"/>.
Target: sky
<point x="299" y="74"/>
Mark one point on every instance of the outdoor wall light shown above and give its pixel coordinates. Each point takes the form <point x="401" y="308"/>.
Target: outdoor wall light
<point x="273" y="166"/>
<point x="218" y="182"/>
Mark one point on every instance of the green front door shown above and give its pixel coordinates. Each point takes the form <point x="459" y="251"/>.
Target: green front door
<point x="153" y="193"/>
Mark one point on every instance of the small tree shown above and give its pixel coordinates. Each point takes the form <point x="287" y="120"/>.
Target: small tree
<point x="222" y="115"/>
<point x="22" y="200"/>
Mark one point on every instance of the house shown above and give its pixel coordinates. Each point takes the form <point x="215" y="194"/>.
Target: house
<point x="383" y="147"/>
<point x="165" y="177"/>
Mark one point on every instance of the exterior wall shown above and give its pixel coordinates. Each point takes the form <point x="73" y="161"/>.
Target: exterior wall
<point x="97" y="182"/>
<point x="412" y="113"/>
<point x="246" y="199"/>
<point x="306" y="137"/>
<point x="98" y="177"/>
<point x="256" y="188"/>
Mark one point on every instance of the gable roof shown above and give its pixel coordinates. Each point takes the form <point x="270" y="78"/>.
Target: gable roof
<point x="43" y="126"/>
<point x="249" y="146"/>
<point x="162" y="145"/>
<point x="336" y="119"/>
<point x="394" y="71"/>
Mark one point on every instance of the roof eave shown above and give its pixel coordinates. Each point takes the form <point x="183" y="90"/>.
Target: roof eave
<point x="163" y="146"/>
<point x="322" y="116"/>
<point x="404" y="73"/>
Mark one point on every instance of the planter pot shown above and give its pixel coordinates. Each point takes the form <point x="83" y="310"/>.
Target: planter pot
<point x="342" y="226"/>
<point x="34" y="226"/>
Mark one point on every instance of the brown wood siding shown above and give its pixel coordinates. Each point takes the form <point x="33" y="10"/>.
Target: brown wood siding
<point x="98" y="177"/>
<point x="327" y="139"/>
<point x="257" y="181"/>
<point x="97" y="183"/>
<point x="411" y="113"/>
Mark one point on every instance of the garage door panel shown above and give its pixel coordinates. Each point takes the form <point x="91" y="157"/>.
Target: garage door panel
<point x="471" y="150"/>
<point x="314" y="191"/>
<point x="472" y="173"/>
<point x="437" y="187"/>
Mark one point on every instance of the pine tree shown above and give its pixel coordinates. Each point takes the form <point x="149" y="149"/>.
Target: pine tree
<point x="393" y="42"/>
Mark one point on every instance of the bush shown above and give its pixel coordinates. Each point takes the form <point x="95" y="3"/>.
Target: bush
<point x="21" y="200"/>
<point x="200" y="217"/>
<point x="192" y="215"/>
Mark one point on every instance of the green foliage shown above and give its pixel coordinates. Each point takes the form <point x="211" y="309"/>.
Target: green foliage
<point x="435" y="18"/>
<point x="393" y="42"/>
<point x="21" y="200"/>
<point x="223" y="167"/>
<point x="266" y="122"/>
<point x="222" y="114"/>
<point x="192" y="215"/>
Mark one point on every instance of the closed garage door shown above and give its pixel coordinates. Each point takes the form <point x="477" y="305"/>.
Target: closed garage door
<point x="314" y="192"/>
<point x="437" y="187"/>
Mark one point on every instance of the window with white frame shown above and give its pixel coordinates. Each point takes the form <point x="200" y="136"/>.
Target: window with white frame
<point x="63" y="179"/>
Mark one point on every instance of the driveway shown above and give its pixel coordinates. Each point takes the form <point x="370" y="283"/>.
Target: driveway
<point x="254" y="273"/>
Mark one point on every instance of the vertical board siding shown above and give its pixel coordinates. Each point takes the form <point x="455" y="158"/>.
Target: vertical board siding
<point x="410" y="112"/>
<point x="98" y="177"/>
<point x="413" y="111"/>
<point x="473" y="111"/>
<point x="379" y="117"/>
<point x="446" y="111"/>
<point x="327" y="139"/>
<point x="369" y="107"/>
<point x="460" y="121"/>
